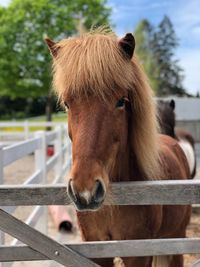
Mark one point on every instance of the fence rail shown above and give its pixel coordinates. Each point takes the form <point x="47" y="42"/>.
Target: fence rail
<point x="18" y="131"/>
<point x="143" y="192"/>
<point x="20" y="150"/>
<point x="167" y="192"/>
<point x="37" y="146"/>
<point x="101" y="249"/>
<point x="41" y="247"/>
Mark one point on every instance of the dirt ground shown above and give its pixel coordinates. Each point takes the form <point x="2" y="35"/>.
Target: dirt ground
<point x="18" y="172"/>
<point x="193" y="230"/>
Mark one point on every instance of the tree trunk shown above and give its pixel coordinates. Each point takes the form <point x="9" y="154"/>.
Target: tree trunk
<point x="49" y="109"/>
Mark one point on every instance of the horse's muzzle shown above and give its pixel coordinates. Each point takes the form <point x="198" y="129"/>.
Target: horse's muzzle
<point x="87" y="200"/>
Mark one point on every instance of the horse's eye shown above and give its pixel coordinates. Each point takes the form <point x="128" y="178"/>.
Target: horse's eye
<point x="121" y="103"/>
<point x="66" y="104"/>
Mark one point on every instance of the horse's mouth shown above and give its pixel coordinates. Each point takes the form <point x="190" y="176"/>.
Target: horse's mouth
<point x="92" y="206"/>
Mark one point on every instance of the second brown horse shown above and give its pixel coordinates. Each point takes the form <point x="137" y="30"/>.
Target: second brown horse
<point x="167" y="121"/>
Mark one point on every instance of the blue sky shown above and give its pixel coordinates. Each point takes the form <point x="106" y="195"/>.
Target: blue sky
<point x="185" y="16"/>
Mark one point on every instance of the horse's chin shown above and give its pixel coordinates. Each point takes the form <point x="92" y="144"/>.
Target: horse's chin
<point x="93" y="206"/>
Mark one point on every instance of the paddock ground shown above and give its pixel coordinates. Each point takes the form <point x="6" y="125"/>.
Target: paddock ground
<point x="18" y="172"/>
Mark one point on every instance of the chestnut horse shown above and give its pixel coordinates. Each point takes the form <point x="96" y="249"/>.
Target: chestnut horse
<point x="167" y="120"/>
<point x="113" y="127"/>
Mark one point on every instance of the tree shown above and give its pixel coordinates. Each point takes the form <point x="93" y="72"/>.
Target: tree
<point x="144" y="35"/>
<point x="155" y="48"/>
<point x="24" y="58"/>
<point x="164" y="43"/>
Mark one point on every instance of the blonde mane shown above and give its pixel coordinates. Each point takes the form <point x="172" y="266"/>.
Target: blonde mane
<point x="94" y="64"/>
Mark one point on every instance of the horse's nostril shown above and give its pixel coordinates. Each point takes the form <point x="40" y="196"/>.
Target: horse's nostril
<point x="99" y="191"/>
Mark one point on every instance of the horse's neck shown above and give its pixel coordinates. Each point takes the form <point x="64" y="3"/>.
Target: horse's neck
<point x="126" y="168"/>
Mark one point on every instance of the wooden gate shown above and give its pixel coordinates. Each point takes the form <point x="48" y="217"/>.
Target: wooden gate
<point x="41" y="247"/>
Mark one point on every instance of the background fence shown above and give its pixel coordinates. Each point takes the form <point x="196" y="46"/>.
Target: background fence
<point x="10" y="132"/>
<point x="37" y="145"/>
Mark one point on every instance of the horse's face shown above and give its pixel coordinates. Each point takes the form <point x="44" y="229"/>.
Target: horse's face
<point x="98" y="129"/>
<point x="99" y="133"/>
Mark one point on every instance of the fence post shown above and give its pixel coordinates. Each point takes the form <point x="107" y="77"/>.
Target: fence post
<point x="58" y="149"/>
<point x="59" y="214"/>
<point x="26" y="129"/>
<point x="68" y="153"/>
<point x="2" y="234"/>
<point x="40" y="164"/>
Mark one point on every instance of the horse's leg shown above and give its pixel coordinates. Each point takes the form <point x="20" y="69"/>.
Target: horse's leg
<point x="138" y="262"/>
<point x="104" y="262"/>
<point x="177" y="261"/>
<point x="168" y="261"/>
<point x="127" y="262"/>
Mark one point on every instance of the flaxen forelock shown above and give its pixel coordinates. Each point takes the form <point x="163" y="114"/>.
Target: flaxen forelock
<point x="91" y="64"/>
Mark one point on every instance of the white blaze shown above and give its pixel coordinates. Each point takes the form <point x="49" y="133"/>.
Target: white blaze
<point x="86" y="195"/>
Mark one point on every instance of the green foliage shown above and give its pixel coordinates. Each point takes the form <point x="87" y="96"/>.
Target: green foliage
<point x="24" y="58"/>
<point x="24" y="107"/>
<point x="144" y="37"/>
<point x="156" y="48"/>
<point x="164" y="44"/>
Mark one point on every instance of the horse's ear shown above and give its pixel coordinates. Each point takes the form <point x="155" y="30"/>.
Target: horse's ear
<point x="172" y="104"/>
<point x="52" y="47"/>
<point x="127" y="45"/>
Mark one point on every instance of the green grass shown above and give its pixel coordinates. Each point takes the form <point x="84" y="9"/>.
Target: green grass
<point x="57" y="117"/>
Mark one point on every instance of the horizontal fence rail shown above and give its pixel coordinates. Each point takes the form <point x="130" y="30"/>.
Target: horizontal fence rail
<point x="58" y="164"/>
<point x="125" y="193"/>
<point x="19" y="150"/>
<point x="108" y="249"/>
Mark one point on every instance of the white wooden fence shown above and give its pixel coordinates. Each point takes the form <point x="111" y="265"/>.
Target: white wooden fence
<point x="39" y="246"/>
<point x="37" y="146"/>
<point x="12" y="131"/>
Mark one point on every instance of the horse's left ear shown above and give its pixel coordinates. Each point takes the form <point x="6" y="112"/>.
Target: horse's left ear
<point x="172" y="104"/>
<point x="127" y="44"/>
<point x="52" y="47"/>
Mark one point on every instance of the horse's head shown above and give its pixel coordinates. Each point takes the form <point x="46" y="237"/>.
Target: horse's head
<point x="94" y="77"/>
<point x="166" y="117"/>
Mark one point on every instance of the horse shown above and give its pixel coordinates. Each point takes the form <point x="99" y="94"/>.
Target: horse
<point x="112" y="124"/>
<point x="167" y="120"/>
